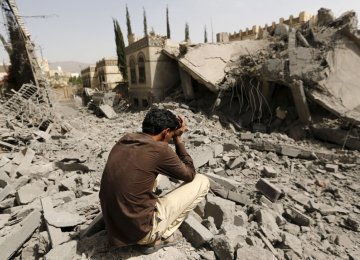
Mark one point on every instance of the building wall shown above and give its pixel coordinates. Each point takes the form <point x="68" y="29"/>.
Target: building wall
<point x="161" y="74"/>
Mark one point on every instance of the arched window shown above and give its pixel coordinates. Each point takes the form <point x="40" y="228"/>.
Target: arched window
<point x="141" y="66"/>
<point x="132" y="70"/>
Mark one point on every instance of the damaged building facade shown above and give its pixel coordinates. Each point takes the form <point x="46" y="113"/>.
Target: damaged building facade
<point x="152" y="75"/>
<point x="105" y="75"/>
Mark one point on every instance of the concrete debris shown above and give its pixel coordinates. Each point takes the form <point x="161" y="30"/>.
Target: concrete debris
<point x="275" y="191"/>
<point x="195" y="232"/>
<point x="12" y="242"/>
<point x="269" y="190"/>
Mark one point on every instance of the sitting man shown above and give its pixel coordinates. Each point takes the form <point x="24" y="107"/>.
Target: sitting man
<point x="133" y="214"/>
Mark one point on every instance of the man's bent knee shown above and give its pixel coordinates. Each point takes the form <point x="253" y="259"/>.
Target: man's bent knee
<point x="203" y="183"/>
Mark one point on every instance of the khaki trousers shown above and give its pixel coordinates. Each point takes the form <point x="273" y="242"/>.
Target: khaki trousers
<point x="173" y="208"/>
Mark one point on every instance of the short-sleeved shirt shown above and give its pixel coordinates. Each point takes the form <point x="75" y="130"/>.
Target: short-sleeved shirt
<point x="126" y="192"/>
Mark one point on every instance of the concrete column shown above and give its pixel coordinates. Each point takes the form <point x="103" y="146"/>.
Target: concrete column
<point x="186" y="84"/>
<point x="297" y="89"/>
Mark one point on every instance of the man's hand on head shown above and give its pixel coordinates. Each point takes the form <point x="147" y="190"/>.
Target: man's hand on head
<point x="178" y="132"/>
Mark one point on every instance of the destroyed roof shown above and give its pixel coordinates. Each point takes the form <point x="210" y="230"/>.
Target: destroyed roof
<point x="206" y="62"/>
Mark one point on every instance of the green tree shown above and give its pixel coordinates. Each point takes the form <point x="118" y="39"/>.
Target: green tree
<point x="187" y="34"/>
<point x="20" y="71"/>
<point x="167" y="23"/>
<point x="205" y="35"/>
<point x="145" y="23"/>
<point x="128" y="22"/>
<point x="120" y="49"/>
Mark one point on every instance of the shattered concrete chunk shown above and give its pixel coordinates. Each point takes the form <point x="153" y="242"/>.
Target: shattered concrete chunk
<point x="220" y="209"/>
<point x="194" y="232"/>
<point x="269" y="190"/>
<point x="255" y="252"/>
<point x="18" y="236"/>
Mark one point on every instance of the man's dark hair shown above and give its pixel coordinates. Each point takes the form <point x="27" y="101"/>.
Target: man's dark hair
<point x="156" y="120"/>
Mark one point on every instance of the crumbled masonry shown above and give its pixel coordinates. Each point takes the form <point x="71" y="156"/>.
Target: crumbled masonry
<point x="273" y="195"/>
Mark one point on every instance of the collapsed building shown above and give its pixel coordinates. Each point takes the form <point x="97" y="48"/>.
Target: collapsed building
<point x="290" y="78"/>
<point x="271" y="196"/>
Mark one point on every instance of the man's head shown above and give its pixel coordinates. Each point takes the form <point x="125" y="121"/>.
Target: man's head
<point x="160" y="122"/>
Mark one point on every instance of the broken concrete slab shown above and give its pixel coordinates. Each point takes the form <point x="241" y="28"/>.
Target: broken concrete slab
<point x="254" y="252"/>
<point x="57" y="237"/>
<point x="18" y="236"/>
<point x="30" y="192"/>
<point x="292" y="242"/>
<point x="4" y="219"/>
<point x="221" y="210"/>
<point x="64" y="251"/>
<point x="268" y="189"/>
<point x="64" y="219"/>
<point x="108" y="111"/>
<point x="201" y="156"/>
<point x="297" y="217"/>
<point x="228" y="183"/>
<point x="270" y="172"/>
<point x="195" y="232"/>
<point x="26" y="161"/>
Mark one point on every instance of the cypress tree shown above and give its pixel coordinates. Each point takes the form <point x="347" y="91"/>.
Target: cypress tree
<point x="187" y="34"/>
<point x="128" y="23"/>
<point x="167" y="23"/>
<point x="205" y="35"/>
<point x="120" y="49"/>
<point x="20" y="71"/>
<point x="145" y="23"/>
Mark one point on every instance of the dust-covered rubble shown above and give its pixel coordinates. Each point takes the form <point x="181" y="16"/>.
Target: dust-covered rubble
<point x="304" y="207"/>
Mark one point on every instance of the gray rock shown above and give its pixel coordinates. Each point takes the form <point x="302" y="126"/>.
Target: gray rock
<point x="292" y="242"/>
<point x="220" y="209"/>
<point x="255" y="252"/>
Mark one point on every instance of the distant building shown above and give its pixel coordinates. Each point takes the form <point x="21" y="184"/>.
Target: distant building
<point x="105" y="75"/>
<point x="151" y="73"/>
<point x="258" y="32"/>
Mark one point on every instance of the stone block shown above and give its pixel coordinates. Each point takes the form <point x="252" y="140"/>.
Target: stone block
<point x="269" y="190"/>
<point x="235" y="163"/>
<point x="217" y="149"/>
<point x="247" y="136"/>
<point x="201" y="157"/>
<point x="297" y="217"/>
<point x="254" y="252"/>
<point x="30" y="192"/>
<point x="292" y="242"/>
<point x="238" y="198"/>
<point x="56" y="236"/>
<point x="270" y="172"/>
<point x="221" y="210"/>
<point x="64" y="251"/>
<point x="108" y="111"/>
<point x="289" y="151"/>
<point x="13" y="241"/>
<point x="26" y="161"/>
<point x="226" y="182"/>
<point x="240" y="218"/>
<point x="266" y="219"/>
<point x="195" y="232"/>
<point x="331" y="167"/>
<point x="223" y="247"/>
<point x="219" y="171"/>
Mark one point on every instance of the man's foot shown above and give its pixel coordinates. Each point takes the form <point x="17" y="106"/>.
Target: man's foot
<point x="160" y="243"/>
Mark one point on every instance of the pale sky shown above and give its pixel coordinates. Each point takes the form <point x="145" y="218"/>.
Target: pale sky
<point x="82" y="30"/>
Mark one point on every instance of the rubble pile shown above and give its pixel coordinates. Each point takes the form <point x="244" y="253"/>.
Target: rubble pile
<point x="271" y="196"/>
<point x="305" y="76"/>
